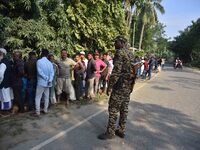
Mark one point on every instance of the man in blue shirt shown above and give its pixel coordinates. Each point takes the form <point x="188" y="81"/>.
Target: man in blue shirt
<point x="45" y="74"/>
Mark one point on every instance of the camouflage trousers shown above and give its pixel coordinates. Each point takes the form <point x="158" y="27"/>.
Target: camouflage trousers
<point x="118" y="103"/>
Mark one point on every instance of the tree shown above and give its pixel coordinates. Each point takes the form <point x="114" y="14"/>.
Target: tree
<point x="136" y="6"/>
<point x="73" y="24"/>
<point x="186" y="45"/>
<point x="149" y="15"/>
<point x="27" y="9"/>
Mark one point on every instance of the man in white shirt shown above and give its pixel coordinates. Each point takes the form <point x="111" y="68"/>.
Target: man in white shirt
<point x="45" y="75"/>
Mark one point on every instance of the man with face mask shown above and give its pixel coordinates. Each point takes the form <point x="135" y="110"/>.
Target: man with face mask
<point x="6" y="94"/>
<point x="121" y="86"/>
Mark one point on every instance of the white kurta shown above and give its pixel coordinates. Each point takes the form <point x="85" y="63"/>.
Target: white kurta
<point x="2" y="71"/>
<point x="6" y="94"/>
<point x="142" y="67"/>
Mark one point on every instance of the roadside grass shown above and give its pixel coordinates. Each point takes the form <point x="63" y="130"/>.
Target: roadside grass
<point x="12" y="126"/>
<point x="197" y="67"/>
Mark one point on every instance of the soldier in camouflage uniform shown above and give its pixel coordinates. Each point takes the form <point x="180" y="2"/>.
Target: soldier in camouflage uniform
<point x="121" y="86"/>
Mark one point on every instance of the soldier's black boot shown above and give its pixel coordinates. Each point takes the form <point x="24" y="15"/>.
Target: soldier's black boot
<point x="105" y="136"/>
<point x="119" y="134"/>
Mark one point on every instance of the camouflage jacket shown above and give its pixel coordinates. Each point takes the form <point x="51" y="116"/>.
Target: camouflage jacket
<point x="120" y="77"/>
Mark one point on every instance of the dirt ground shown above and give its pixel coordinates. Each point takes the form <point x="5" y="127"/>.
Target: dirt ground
<point x="16" y="126"/>
<point x="23" y="127"/>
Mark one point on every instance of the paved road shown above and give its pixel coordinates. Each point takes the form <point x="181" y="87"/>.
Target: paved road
<point x="164" y="114"/>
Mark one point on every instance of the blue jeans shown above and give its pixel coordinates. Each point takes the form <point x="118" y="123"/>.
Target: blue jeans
<point x="31" y="89"/>
<point x="82" y="85"/>
<point x="149" y="72"/>
<point x="24" y="88"/>
<point x="138" y="72"/>
<point x="162" y="66"/>
<point x="144" y="74"/>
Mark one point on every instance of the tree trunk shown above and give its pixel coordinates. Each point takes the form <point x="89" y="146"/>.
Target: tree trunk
<point x="141" y="36"/>
<point x="130" y="20"/>
<point x="133" y="38"/>
<point x="127" y="12"/>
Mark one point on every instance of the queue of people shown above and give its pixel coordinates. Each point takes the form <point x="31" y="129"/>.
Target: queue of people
<point x="147" y="65"/>
<point x="25" y="84"/>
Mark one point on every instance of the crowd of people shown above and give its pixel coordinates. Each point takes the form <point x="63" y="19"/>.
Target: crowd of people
<point x="149" y="64"/>
<point x="25" y="83"/>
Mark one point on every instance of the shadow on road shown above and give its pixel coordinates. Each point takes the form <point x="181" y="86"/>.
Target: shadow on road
<point x="184" y="70"/>
<point x="149" y="127"/>
<point x="154" y="127"/>
<point x="186" y="80"/>
<point x="161" y="88"/>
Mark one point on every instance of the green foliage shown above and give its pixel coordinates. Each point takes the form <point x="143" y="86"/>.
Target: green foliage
<point x="154" y="41"/>
<point x="143" y="20"/>
<point x="4" y="21"/>
<point x="77" y="24"/>
<point x="29" y="35"/>
<point x="140" y="53"/>
<point x="186" y="45"/>
<point x="26" y="9"/>
<point x="74" y="25"/>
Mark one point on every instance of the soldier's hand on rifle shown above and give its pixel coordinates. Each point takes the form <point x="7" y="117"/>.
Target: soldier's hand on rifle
<point x="108" y="92"/>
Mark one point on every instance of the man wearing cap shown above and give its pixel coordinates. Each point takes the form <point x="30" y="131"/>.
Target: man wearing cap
<point x="6" y="94"/>
<point x="85" y="60"/>
<point x="121" y="86"/>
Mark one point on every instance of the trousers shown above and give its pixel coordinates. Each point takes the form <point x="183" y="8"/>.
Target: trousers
<point x="31" y="89"/>
<point x="96" y="87"/>
<point x="65" y="85"/>
<point x="42" y="91"/>
<point x="18" y="97"/>
<point x="89" y="87"/>
<point x="118" y="103"/>
<point x="78" y="87"/>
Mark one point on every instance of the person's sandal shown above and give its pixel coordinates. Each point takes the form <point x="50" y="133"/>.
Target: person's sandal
<point x="35" y="115"/>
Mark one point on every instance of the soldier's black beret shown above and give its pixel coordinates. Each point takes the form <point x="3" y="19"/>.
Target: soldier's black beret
<point x="121" y="38"/>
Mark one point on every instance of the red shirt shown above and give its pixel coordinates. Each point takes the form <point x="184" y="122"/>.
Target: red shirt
<point x="146" y="65"/>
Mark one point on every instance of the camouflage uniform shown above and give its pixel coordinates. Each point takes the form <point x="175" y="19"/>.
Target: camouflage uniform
<point x="122" y="87"/>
